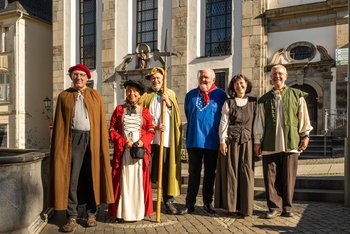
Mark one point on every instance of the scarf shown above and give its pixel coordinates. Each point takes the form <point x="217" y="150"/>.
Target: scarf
<point x="130" y="109"/>
<point x="205" y="94"/>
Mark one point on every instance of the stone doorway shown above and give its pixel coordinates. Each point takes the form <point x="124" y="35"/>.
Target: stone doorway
<point x="311" y="101"/>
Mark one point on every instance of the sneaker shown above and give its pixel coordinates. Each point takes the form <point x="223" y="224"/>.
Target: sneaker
<point x="91" y="220"/>
<point x="70" y="226"/>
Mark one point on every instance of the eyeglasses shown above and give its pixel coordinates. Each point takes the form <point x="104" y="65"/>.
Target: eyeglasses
<point x="75" y="74"/>
<point x="279" y="73"/>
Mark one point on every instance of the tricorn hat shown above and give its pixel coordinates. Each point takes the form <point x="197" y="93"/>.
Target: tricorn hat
<point x="154" y="71"/>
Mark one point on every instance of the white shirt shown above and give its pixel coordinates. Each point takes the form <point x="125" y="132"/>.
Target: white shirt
<point x="156" y="111"/>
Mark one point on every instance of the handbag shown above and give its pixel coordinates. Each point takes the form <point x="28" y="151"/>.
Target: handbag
<point x="137" y="152"/>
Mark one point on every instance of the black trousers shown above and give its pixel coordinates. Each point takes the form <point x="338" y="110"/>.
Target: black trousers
<point x="80" y="185"/>
<point x="280" y="171"/>
<point x="154" y="170"/>
<point x="196" y="156"/>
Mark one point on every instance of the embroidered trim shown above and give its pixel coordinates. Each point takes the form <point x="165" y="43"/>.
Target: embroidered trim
<point x="200" y="102"/>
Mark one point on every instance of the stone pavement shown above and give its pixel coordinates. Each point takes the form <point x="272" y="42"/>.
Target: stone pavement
<point x="310" y="217"/>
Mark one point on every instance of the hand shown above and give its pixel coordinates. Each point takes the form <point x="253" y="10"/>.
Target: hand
<point x="257" y="149"/>
<point x="223" y="149"/>
<point x="160" y="127"/>
<point x="128" y="144"/>
<point x="304" y="143"/>
<point x="140" y="143"/>
<point x="165" y="97"/>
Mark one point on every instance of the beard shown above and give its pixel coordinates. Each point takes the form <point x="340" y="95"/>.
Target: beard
<point x="156" y="88"/>
<point x="205" y="87"/>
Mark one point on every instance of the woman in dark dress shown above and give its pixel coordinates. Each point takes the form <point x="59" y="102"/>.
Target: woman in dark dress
<point x="234" y="184"/>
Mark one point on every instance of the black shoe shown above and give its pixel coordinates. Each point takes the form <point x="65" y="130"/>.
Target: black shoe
<point x="170" y="208"/>
<point x="188" y="209"/>
<point x="209" y="208"/>
<point x="287" y="214"/>
<point x="273" y="214"/>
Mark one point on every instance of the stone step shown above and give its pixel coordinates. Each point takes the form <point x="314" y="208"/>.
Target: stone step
<point x="314" y="182"/>
<point x="308" y="188"/>
<point x="320" y="195"/>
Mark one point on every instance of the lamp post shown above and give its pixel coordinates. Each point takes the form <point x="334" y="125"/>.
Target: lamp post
<point x="48" y="110"/>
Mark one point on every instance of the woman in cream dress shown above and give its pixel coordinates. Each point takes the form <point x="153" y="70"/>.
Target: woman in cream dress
<point x="131" y="124"/>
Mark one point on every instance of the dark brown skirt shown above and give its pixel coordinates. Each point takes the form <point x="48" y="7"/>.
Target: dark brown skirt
<point x="234" y="182"/>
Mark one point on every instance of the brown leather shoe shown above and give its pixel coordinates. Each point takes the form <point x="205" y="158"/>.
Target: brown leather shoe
<point x="273" y="214"/>
<point x="70" y="226"/>
<point x="287" y="214"/>
<point x="91" y="220"/>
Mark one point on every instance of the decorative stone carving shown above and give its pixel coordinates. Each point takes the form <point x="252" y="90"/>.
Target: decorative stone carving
<point x="143" y="51"/>
<point x="324" y="53"/>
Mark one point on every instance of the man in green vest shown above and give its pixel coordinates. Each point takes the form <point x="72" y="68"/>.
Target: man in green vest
<point x="152" y="99"/>
<point x="281" y="133"/>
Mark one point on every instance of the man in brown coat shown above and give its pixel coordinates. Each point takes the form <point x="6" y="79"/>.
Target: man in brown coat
<point x="80" y="162"/>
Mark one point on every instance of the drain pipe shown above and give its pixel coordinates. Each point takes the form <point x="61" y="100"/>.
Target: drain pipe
<point x="17" y="144"/>
<point x="347" y="139"/>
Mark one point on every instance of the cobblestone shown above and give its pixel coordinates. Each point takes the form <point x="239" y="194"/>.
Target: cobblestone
<point x="310" y="217"/>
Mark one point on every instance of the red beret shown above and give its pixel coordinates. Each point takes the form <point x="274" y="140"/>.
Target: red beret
<point x="80" y="67"/>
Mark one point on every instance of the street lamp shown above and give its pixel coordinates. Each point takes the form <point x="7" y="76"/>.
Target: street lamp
<point x="48" y="104"/>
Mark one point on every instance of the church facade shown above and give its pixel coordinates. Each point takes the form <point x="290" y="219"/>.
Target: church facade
<point x="121" y="40"/>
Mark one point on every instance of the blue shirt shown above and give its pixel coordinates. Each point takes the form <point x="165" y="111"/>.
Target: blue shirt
<point x="203" y="120"/>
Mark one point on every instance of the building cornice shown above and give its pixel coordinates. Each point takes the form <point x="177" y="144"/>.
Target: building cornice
<point x="305" y="16"/>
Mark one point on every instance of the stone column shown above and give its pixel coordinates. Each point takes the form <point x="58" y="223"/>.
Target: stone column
<point x="254" y="44"/>
<point x="179" y="44"/>
<point x="57" y="48"/>
<point x="108" y="54"/>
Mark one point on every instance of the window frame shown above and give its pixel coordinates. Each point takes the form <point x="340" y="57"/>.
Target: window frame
<point x="301" y="44"/>
<point x="5" y="88"/>
<point x="153" y="43"/>
<point x="225" y="71"/>
<point x="3" y="144"/>
<point x="209" y="51"/>
<point x="82" y="36"/>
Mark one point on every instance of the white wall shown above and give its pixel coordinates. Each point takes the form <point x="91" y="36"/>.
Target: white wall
<point x="286" y="3"/>
<point x="324" y="36"/>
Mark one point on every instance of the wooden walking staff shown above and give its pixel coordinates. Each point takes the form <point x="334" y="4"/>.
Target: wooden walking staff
<point x="161" y="147"/>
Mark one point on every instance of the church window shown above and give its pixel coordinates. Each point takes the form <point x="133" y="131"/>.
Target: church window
<point x="146" y="23"/>
<point x="218" y="27"/>
<point x="88" y="33"/>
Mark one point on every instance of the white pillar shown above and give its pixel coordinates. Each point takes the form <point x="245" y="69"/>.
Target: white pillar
<point x="347" y="139"/>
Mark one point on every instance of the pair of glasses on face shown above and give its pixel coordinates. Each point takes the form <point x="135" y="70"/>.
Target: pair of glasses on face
<point x="74" y="74"/>
<point x="278" y="73"/>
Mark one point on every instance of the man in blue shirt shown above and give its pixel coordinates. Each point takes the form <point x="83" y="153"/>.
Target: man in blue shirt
<point x="203" y="112"/>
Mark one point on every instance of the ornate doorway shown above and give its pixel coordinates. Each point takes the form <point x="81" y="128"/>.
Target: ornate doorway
<point x="311" y="101"/>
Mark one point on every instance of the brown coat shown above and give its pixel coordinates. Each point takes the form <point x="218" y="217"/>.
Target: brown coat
<point x="60" y="165"/>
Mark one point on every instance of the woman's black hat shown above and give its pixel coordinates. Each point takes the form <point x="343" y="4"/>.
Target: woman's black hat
<point x="136" y="84"/>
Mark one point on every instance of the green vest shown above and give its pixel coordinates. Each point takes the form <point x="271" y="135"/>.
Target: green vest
<point x="290" y="98"/>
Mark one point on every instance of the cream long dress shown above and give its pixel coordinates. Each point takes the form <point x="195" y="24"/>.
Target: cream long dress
<point x="131" y="205"/>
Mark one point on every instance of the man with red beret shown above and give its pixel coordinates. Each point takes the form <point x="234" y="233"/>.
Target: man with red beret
<point x="80" y="162"/>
